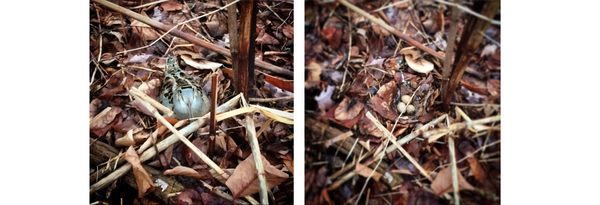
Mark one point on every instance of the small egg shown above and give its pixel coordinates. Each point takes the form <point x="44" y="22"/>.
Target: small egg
<point x="401" y="107"/>
<point x="410" y="109"/>
<point x="405" y="98"/>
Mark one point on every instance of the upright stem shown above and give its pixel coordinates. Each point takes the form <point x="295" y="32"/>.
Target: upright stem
<point x="470" y="40"/>
<point x="244" y="75"/>
<point x="450" y="49"/>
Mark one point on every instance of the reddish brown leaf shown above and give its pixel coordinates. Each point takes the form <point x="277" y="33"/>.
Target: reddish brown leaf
<point x="142" y="179"/>
<point x="184" y="171"/>
<point x="266" y="39"/>
<point x="189" y="196"/>
<point x="348" y="109"/>
<point x="94" y="105"/>
<point x="383" y="108"/>
<point x="443" y="182"/>
<point x="104" y="120"/>
<point x="333" y="36"/>
<point x="171" y="5"/>
<point x="244" y="180"/>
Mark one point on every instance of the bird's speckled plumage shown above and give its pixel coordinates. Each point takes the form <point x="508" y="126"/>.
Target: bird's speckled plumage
<point x="181" y="93"/>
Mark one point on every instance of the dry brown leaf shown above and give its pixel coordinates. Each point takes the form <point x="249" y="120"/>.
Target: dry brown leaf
<point x="94" y="105"/>
<point x="126" y="140"/>
<point x="200" y="64"/>
<point x="104" y="118"/>
<point x="416" y="62"/>
<point x="266" y="39"/>
<point x="171" y="5"/>
<point x="333" y="36"/>
<point x="443" y="182"/>
<point x="348" y="109"/>
<point x="244" y="180"/>
<point x="288" y="31"/>
<point x="142" y="179"/>
<point x="151" y="88"/>
<point x="365" y="171"/>
<point x="184" y="171"/>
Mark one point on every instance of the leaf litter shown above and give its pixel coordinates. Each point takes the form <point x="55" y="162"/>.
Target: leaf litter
<point x="377" y="68"/>
<point x="124" y="56"/>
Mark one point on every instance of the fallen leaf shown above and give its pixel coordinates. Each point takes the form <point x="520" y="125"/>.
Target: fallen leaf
<point x="348" y="109"/>
<point x="184" y="171"/>
<point x="201" y="64"/>
<point x="416" y="62"/>
<point x="104" y="118"/>
<point x="151" y="88"/>
<point x="244" y="180"/>
<point x="443" y="182"/>
<point x="142" y="179"/>
<point x="366" y="171"/>
<point x="171" y="5"/>
<point x="333" y="36"/>
<point x="94" y="106"/>
<point x="266" y="39"/>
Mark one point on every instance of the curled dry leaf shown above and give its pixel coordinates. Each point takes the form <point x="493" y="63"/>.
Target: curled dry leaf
<point x="94" y="105"/>
<point x="142" y="179"/>
<point x="184" y="171"/>
<point x="443" y="182"/>
<point x="126" y="140"/>
<point x="348" y="109"/>
<point x="244" y="180"/>
<point x="151" y="88"/>
<point x="416" y="62"/>
<point x="201" y="64"/>
<point x="104" y="118"/>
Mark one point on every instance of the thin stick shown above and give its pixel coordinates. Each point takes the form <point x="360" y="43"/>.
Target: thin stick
<point x="142" y="96"/>
<point x="270" y="99"/>
<point x="185" y="141"/>
<point x="454" y="170"/>
<point x="458" y="126"/>
<point x="392" y="30"/>
<point x="254" y="146"/>
<point x="450" y="49"/>
<point x="492" y="21"/>
<point x="398" y="146"/>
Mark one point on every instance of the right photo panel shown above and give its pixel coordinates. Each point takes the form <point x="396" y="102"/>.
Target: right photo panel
<point x="402" y="102"/>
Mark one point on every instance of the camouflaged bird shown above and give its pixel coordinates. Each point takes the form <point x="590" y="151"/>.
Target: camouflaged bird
<point x="182" y="94"/>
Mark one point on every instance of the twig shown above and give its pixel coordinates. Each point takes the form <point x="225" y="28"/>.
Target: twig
<point x="388" y="6"/>
<point x="454" y="170"/>
<point x="191" y="38"/>
<point x="450" y="49"/>
<point x="255" y="148"/>
<point x="149" y="4"/>
<point x="220" y="193"/>
<point x="161" y="146"/>
<point x="185" y="141"/>
<point x="458" y="126"/>
<point x="392" y="30"/>
<point x="169" y="31"/>
<point x="492" y="21"/>
<point x="270" y="99"/>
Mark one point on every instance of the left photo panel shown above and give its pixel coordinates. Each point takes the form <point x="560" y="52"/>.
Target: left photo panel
<point x="191" y="102"/>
